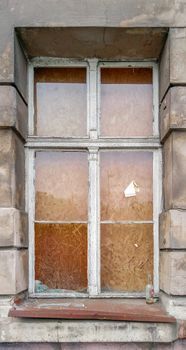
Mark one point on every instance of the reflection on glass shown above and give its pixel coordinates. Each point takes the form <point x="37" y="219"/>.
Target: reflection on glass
<point x="61" y="256"/>
<point x="60" y="101"/>
<point x="126" y="102"/>
<point x="126" y="257"/>
<point x="122" y="171"/>
<point x="61" y="186"/>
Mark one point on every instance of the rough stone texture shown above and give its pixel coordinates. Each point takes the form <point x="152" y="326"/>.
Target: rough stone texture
<point x="168" y="172"/>
<point x="11" y="170"/>
<point x="173" y="229"/>
<point x="174" y="183"/>
<point x="103" y="14"/>
<point x="113" y="13"/>
<point x="178" y="56"/>
<point x="6" y="49"/>
<point x="7" y="173"/>
<point x="110" y="43"/>
<point x="178" y="345"/>
<point x="13" y="111"/>
<point x="173" y="61"/>
<point x="173" y="111"/>
<point x="5" y="305"/>
<point x="19" y="189"/>
<point x="164" y="69"/>
<point x="173" y="272"/>
<point x="174" y="305"/>
<point x="13" y="330"/>
<point x="13" y="272"/>
<point x="20" y="69"/>
<point x="62" y="13"/>
<point x="182" y="329"/>
<point x="13" y="228"/>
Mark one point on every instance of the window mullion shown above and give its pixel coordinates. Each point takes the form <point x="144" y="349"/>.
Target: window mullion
<point x="31" y="211"/>
<point x="94" y="235"/>
<point x="155" y="100"/>
<point x="157" y="199"/>
<point x="31" y="99"/>
<point x="92" y="91"/>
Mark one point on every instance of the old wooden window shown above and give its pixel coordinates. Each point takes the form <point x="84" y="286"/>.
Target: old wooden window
<point x="94" y="177"/>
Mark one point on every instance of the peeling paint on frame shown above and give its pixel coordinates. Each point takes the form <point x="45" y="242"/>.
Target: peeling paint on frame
<point x="93" y="144"/>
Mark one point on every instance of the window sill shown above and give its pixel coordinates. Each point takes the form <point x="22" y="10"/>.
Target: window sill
<point x="135" y="310"/>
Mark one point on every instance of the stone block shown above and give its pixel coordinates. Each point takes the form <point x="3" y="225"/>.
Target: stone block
<point x="13" y="110"/>
<point x="38" y="346"/>
<point x="173" y="111"/>
<point x="20" y="68"/>
<point x="81" y="42"/>
<point x="85" y="331"/>
<point x="13" y="228"/>
<point x="6" y="47"/>
<point x="28" y="331"/>
<point x="178" y="56"/>
<point x="164" y="70"/>
<point x="81" y="14"/>
<point x="173" y="272"/>
<point x="167" y="172"/>
<point x="173" y="229"/>
<point x="173" y="60"/>
<point x="174" y="157"/>
<point x="12" y="170"/>
<point x="98" y="13"/>
<point x="14" y="271"/>
<point x="174" y="305"/>
<point x="5" y="305"/>
<point x="19" y="176"/>
<point x="7" y="171"/>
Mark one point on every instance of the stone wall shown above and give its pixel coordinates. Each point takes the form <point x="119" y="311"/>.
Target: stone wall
<point x="173" y="136"/>
<point x="178" y="345"/>
<point x="29" y="29"/>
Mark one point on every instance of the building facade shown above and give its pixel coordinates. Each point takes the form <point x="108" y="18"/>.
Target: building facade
<point x="87" y="43"/>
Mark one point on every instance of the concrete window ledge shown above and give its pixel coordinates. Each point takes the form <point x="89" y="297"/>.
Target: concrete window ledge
<point x="137" y="322"/>
<point x="94" y="309"/>
<point x="36" y="330"/>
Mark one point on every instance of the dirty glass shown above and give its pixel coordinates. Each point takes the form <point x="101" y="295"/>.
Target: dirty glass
<point x="126" y="102"/>
<point x="61" y="183"/>
<point x="126" y="181"/>
<point x="126" y="257"/>
<point x="60" y="257"/>
<point x="60" y="102"/>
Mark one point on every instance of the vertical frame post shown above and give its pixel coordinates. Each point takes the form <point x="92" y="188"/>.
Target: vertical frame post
<point x="92" y="91"/>
<point x="31" y="99"/>
<point x="94" y="234"/>
<point x="157" y="205"/>
<point x="31" y="211"/>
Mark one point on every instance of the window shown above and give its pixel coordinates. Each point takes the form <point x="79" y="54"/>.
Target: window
<point x="94" y="177"/>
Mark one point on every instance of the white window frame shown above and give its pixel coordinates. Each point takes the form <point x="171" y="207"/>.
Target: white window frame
<point x="94" y="144"/>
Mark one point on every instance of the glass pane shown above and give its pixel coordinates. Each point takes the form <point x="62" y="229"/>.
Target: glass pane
<point x="126" y="257"/>
<point x="61" y="186"/>
<point x="61" y="257"/>
<point x="126" y="102"/>
<point x="60" y="101"/>
<point x="129" y="171"/>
